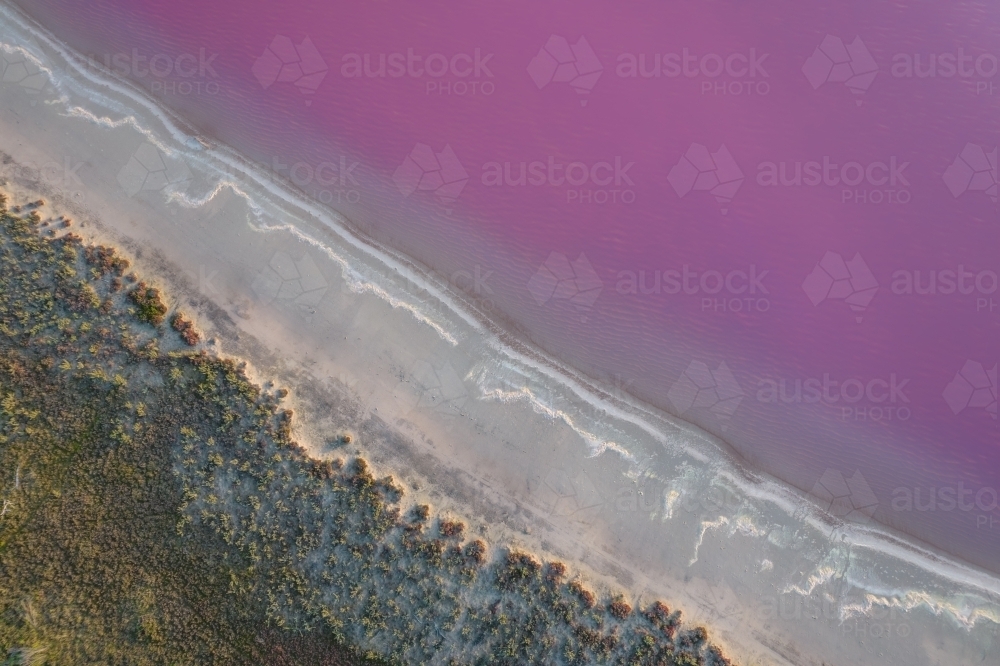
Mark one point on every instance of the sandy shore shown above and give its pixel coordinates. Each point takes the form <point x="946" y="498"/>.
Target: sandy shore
<point x="430" y="399"/>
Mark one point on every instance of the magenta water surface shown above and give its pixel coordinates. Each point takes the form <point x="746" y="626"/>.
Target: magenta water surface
<point x="775" y="221"/>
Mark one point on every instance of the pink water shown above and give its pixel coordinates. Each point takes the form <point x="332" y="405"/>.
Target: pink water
<point x="750" y="78"/>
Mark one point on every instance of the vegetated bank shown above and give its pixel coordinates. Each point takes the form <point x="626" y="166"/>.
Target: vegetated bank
<point x="155" y="510"/>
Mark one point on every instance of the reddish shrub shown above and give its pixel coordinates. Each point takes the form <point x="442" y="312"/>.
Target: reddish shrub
<point x="717" y="658"/>
<point x="658" y="614"/>
<point x="555" y="572"/>
<point x="186" y="328"/>
<point x="620" y="609"/>
<point x="452" y="528"/>
<point x="693" y="638"/>
<point x="105" y="259"/>
<point x="476" y="551"/>
<point x="585" y="595"/>
<point x="321" y="469"/>
<point x="362" y="476"/>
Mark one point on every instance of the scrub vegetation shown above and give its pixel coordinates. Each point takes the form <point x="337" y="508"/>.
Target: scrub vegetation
<point x="156" y="510"/>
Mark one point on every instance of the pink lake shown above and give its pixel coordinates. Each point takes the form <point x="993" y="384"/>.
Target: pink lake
<point x="776" y="221"/>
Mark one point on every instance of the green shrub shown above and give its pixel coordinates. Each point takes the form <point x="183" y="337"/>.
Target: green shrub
<point x="150" y="307"/>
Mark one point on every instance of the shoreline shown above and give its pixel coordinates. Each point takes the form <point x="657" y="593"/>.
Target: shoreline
<point x="426" y="426"/>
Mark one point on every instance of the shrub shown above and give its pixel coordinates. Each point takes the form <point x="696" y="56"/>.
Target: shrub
<point x="620" y="609"/>
<point x="716" y="658"/>
<point x="362" y="478"/>
<point x="589" y="637"/>
<point x="658" y="612"/>
<point x="150" y="308"/>
<point x="186" y="328"/>
<point x="321" y="469"/>
<point x="476" y="551"/>
<point x="518" y="568"/>
<point x="79" y="296"/>
<point x="105" y="259"/>
<point x="693" y="638"/>
<point x="452" y="528"/>
<point x="585" y="595"/>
